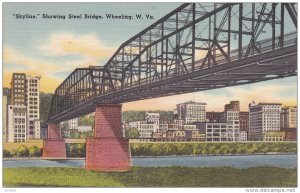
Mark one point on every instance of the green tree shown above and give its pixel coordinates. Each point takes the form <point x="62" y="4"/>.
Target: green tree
<point x="132" y="133"/>
<point x="23" y="151"/>
<point x="80" y="149"/>
<point x="14" y="153"/>
<point x="156" y="150"/>
<point x="129" y="116"/>
<point x="6" y="153"/>
<point x="212" y="149"/>
<point x="89" y="134"/>
<point x="86" y="121"/>
<point x="74" y="134"/>
<point x="35" y="152"/>
<point x="65" y="130"/>
<point x="45" y="102"/>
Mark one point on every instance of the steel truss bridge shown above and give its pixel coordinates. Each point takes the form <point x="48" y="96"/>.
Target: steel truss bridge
<point x="196" y="47"/>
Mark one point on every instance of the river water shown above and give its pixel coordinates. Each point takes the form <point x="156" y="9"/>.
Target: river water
<point x="286" y="161"/>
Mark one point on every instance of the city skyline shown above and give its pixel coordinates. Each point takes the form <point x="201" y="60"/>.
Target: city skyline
<point x="54" y="48"/>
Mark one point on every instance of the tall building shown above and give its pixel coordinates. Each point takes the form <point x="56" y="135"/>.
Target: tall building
<point x="288" y="122"/>
<point x="263" y="117"/>
<point x="5" y="102"/>
<point x="33" y="102"/>
<point x="232" y="116"/>
<point x="18" y="88"/>
<point x="288" y="117"/>
<point x="23" y="110"/>
<point x="244" y="122"/>
<point x="192" y="112"/>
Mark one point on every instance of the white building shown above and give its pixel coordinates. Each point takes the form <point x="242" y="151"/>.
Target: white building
<point x="219" y="131"/>
<point x="33" y="102"/>
<point x="24" y="107"/>
<point x="16" y="131"/>
<point x="189" y="127"/>
<point x="163" y="127"/>
<point x="232" y="116"/>
<point x="180" y="122"/>
<point x="263" y="117"/>
<point x="145" y="129"/>
<point x="243" y="135"/>
<point x="85" y="128"/>
<point x="288" y="117"/>
<point x="192" y="112"/>
<point x="152" y="118"/>
<point x="73" y="123"/>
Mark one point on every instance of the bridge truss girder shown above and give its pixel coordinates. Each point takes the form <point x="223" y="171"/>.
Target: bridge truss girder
<point x="193" y="39"/>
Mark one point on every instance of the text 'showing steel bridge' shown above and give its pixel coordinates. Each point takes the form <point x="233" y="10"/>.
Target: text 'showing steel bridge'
<point x="198" y="46"/>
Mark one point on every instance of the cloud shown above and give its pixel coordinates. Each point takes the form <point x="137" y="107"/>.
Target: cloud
<point x="52" y="68"/>
<point x="68" y="44"/>
<point x="15" y="61"/>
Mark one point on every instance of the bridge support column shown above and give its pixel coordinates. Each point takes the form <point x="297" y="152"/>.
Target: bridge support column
<point x="54" y="146"/>
<point x="108" y="150"/>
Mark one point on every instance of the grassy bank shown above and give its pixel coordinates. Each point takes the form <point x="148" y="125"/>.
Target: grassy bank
<point x="220" y="148"/>
<point x="175" y="148"/>
<point x="151" y="177"/>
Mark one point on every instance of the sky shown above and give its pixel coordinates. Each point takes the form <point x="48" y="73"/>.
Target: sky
<point x="53" y="48"/>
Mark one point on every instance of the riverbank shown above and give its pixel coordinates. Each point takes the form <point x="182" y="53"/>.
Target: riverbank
<point x="152" y="177"/>
<point x="145" y="156"/>
<point x="208" y="148"/>
<point x="75" y="150"/>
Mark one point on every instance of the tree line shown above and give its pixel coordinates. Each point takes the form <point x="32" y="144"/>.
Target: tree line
<point x="129" y="116"/>
<point x="167" y="149"/>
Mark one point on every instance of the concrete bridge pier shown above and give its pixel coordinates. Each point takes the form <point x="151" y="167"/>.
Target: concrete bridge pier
<point x="54" y="146"/>
<point x="108" y="150"/>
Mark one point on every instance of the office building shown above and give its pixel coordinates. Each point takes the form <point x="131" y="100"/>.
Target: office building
<point x="232" y="116"/>
<point x="273" y="136"/>
<point x="288" y="117"/>
<point x="214" y="117"/>
<point x="244" y="122"/>
<point x="219" y="131"/>
<point x="33" y="102"/>
<point x="243" y="136"/>
<point x="263" y="117"/>
<point x="192" y="112"/>
<point x="23" y="110"/>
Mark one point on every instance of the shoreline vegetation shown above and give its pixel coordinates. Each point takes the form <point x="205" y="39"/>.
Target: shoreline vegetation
<point x="77" y="150"/>
<point x="152" y="177"/>
<point x="83" y="158"/>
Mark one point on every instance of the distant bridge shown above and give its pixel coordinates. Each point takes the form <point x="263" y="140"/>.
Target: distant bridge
<point x="198" y="46"/>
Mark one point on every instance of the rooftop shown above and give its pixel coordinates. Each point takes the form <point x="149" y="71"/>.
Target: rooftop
<point x="269" y="104"/>
<point x="193" y="102"/>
